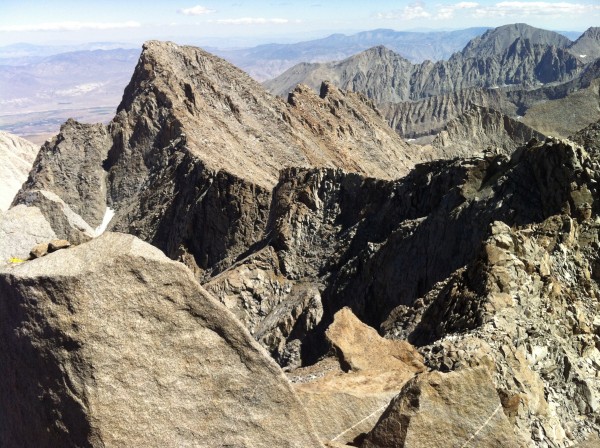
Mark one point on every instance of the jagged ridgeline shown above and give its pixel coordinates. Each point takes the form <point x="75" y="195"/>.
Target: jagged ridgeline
<point x="509" y="69"/>
<point x="305" y="220"/>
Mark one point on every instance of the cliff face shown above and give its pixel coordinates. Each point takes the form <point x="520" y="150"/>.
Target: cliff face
<point x="396" y="251"/>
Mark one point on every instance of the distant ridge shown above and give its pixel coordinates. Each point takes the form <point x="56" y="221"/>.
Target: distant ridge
<point x="419" y="99"/>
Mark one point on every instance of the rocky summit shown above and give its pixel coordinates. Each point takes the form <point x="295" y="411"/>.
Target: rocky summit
<point x="221" y="267"/>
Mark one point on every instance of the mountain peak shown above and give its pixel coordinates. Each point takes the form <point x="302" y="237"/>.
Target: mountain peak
<point x="231" y="123"/>
<point x="497" y="40"/>
<point x="382" y="51"/>
<point x="587" y="47"/>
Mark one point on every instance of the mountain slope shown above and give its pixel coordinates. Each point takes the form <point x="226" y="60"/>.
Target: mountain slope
<point x="16" y="158"/>
<point x="498" y="40"/>
<point x="267" y="61"/>
<point x="515" y="55"/>
<point x="587" y="46"/>
<point x="480" y="262"/>
<point x="220" y="139"/>
<point x="482" y="129"/>
<point x="510" y="69"/>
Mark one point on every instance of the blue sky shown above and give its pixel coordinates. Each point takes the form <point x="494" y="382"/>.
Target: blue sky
<point x="244" y="23"/>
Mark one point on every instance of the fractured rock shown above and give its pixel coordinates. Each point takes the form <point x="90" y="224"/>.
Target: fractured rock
<point x="343" y="404"/>
<point x="458" y="409"/>
<point x="359" y="347"/>
<point x="70" y="166"/>
<point x="64" y="221"/>
<point x="39" y="250"/>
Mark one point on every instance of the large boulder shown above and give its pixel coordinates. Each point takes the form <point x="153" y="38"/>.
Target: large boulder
<point x="458" y="409"/>
<point x="64" y="221"/>
<point x="21" y="228"/>
<point x="345" y="401"/>
<point x="361" y="348"/>
<point x="111" y="343"/>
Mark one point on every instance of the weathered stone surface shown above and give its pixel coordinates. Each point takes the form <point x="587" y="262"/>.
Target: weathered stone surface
<point x="39" y="250"/>
<point x="525" y="308"/>
<point x="458" y="409"/>
<point x="373" y="245"/>
<point x="16" y="158"/>
<point x="21" y="228"/>
<point x="277" y="311"/>
<point x="55" y="245"/>
<point x="359" y="347"/>
<point x="483" y="261"/>
<point x="64" y="221"/>
<point x="345" y="402"/>
<point x="112" y="344"/>
<point x="70" y="166"/>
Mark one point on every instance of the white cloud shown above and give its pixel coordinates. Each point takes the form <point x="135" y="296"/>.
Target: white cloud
<point x="253" y="21"/>
<point x="522" y="9"/>
<point x="70" y="26"/>
<point x="447" y="12"/>
<point x="466" y="5"/>
<point x="410" y="12"/>
<point x="196" y="11"/>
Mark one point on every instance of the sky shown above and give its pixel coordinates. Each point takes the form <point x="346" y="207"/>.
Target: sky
<point x="246" y="23"/>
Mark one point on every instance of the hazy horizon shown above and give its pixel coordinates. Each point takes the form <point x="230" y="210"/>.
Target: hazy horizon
<point x="244" y="23"/>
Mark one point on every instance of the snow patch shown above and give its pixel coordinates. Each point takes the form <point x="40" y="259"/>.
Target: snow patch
<point x="583" y="55"/>
<point x="108" y="215"/>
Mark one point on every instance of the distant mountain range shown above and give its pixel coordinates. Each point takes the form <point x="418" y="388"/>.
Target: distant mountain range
<point x="418" y="99"/>
<point x="42" y="86"/>
<point x="267" y="61"/>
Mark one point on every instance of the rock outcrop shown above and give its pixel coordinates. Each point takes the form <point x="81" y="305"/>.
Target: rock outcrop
<point x="479" y="263"/>
<point x="111" y="343"/>
<point x="21" y="228"/>
<point x="589" y="138"/>
<point x="64" y="222"/>
<point x="345" y="400"/>
<point x="455" y="409"/>
<point x="16" y="158"/>
<point x="371" y="244"/>
<point x="70" y="166"/>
